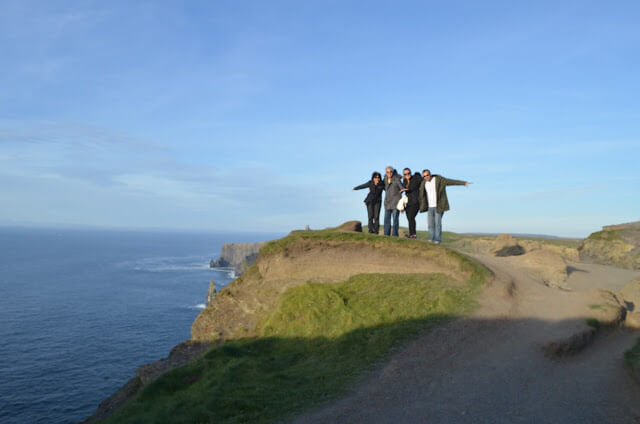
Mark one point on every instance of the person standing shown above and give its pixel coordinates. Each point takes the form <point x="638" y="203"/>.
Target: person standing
<point x="433" y="199"/>
<point x="373" y="201"/>
<point x="411" y="184"/>
<point x="392" y="187"/>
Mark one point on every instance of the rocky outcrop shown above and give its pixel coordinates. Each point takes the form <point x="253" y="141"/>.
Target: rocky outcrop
<point x="507" y="245"/>
<point x="211" y="294"/>
<point x="238" y="256"/>
<point x="601" y="309"/>
<point x="617" y="245"/>
<point x="181" y="354"/>
<point x="550" y="267"/>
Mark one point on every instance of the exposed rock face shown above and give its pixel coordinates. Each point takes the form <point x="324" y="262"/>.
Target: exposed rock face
<point x="617" y="245"/>
<point x="551" y="267"/>
<point x="607" y="307"/>
<point x="180" y="355"/>
<point x="507" y="245"/>
<point x="601" y="309"/>
<point x="633" y="320"/>
<point x="211" y="294"/>
<point x="493" y="245"/>
<point x="631" y="294"/>
<point x="239" y="256"/>
<point x="627" y="226"/>
<point x="238" y="309"/>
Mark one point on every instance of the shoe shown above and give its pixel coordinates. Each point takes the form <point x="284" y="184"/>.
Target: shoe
<point x="413" y="236"/>
<point x="436" y="242"/>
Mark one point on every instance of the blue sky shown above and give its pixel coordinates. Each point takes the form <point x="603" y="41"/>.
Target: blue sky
<point x="261" y="116"/>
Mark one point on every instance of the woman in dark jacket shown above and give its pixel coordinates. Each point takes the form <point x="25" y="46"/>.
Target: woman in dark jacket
<point x="373" y="200"/>
<point x="411" y="184"/>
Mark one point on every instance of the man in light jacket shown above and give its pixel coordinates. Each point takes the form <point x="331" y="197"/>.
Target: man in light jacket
<point x="433" y="199"/>
<point x="392" y="187"/>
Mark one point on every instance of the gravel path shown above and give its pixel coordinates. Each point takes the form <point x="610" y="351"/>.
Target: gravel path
<point x="490" y="368"/>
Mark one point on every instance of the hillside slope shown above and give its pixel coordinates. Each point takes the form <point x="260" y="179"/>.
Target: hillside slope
<point x="301" y="325"/>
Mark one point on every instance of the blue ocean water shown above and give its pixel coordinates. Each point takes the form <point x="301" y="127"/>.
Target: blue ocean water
<point x="80" y="310"/>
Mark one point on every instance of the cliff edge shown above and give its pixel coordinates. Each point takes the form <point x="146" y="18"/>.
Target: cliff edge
<point x="239" y="256"/>
<point x="315" y="310"/>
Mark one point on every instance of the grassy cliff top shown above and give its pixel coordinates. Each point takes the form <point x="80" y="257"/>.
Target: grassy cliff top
<point x="317" y="340"/>
<point x="332" y="236"/>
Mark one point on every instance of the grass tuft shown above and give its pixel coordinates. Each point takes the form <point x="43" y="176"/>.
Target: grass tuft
<point x="593" y="323"/>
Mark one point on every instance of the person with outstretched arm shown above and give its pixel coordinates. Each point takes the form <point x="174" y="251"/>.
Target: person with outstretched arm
<point x="373" y="200"/>
<point x="433" y="200"/>
<point x="411" y="184"/>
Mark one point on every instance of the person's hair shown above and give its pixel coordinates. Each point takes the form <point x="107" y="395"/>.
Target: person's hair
<point x="389" y="167"/>
<point x="376" y="174"/>
<point x="407" y="169"/>
<point x="426" y="170"/>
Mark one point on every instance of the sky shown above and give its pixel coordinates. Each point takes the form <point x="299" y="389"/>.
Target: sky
<point x="261" y="116"/>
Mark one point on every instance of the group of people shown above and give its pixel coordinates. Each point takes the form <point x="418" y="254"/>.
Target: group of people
<point x="409" y="194"/>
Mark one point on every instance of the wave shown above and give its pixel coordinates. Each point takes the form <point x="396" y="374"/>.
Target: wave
<point x="171" y="267"/>
<point x="198" y="306"/>
<point x="168" y="264"/>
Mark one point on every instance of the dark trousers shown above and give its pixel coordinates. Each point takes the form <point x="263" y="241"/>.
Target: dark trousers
<point x="412" y="211"/>
<point x="373" y="210"/>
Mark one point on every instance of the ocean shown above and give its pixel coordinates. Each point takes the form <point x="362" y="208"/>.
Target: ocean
<point x="80" y="310"/>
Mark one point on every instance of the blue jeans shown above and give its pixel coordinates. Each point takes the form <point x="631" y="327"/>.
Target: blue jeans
<point x="388" y="213"/>
<point x="435" y="225"/>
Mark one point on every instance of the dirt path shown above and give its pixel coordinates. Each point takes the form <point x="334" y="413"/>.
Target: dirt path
<point x="490" y="367"/>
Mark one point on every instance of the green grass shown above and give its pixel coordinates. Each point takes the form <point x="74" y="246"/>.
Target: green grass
<point x="313" y="346"/>
<point x="451" y="239"/>
<point x="632" y="359"/>
<point x="593" y="323"/>
<point x="391" y="244"/>
<point x="606" y="235"/>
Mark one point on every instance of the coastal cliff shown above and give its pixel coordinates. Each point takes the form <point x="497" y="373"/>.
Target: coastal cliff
<point x="318" y="308"/>
<point x="290" y="303"/>
<point x="239" y="256"/>
<point x="617" y="245"/>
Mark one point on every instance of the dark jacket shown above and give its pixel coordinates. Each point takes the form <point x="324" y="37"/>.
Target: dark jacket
<point x="441" y="192"/>
<point x="375" y="191"/>
<point x="413" y="188"/>
<point x="392" y="188"/>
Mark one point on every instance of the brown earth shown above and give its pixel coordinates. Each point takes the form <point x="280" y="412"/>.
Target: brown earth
<point x="237" y="309"/>
<point x="528" y="355"/>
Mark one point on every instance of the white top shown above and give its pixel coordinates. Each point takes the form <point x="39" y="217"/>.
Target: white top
<point x="432" y="196"/>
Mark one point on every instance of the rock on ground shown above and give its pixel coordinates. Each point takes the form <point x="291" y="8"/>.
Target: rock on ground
<point x="507" y="245"/>
<point x="631" y="294"/>
<point x="549" y="266"/>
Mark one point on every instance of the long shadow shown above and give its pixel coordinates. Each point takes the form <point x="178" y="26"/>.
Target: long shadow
<point x="273" y="379"/>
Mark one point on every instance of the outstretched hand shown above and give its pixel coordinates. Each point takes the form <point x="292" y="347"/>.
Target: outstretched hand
<point x="466" y="184"/>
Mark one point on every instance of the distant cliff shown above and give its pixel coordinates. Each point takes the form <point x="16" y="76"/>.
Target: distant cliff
<point x="617" y="245"/>
<point x="239" y="256"/>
